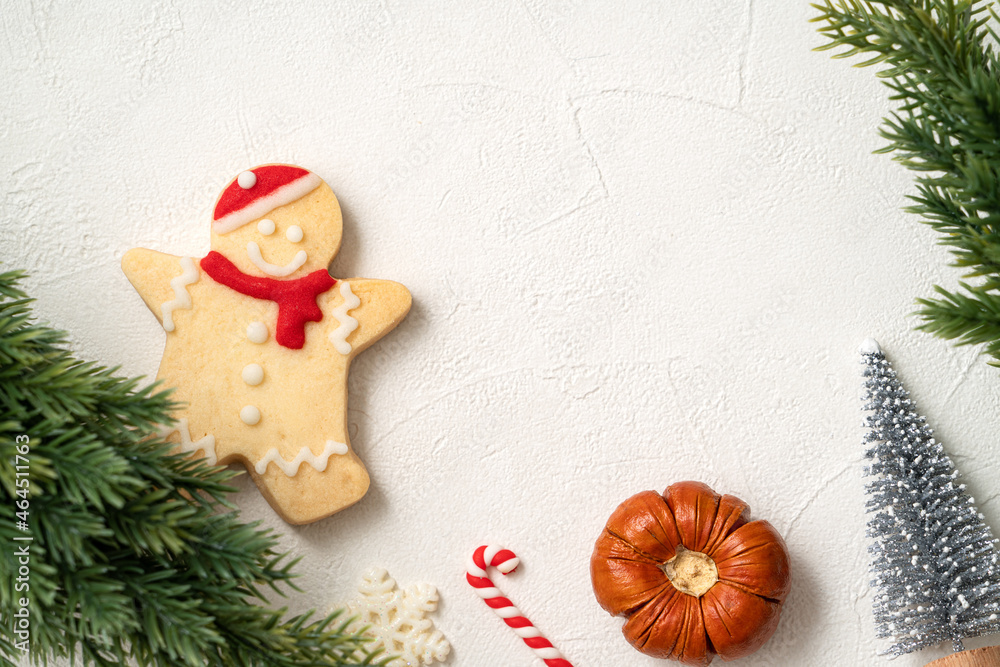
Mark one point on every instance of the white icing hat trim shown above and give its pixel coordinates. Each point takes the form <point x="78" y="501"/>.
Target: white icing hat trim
<point x="286" y="194"/>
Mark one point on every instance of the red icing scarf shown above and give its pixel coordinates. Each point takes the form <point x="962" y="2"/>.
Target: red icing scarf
<point x="296" y="298"/>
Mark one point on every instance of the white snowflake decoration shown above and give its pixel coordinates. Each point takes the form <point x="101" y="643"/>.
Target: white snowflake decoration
<point x="398" y="620"/>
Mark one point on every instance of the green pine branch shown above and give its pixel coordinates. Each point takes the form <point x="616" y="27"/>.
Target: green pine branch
<point x="136" y="553"/>
<point x="939" y="62"/>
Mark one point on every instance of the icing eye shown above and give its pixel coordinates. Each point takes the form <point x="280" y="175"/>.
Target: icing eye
<point x="266" y="227"/>
<point x="294" y="234"/>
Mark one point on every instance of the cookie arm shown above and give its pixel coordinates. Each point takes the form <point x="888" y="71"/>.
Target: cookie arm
<point x="383" y="305"/>
<point x="161" y="280"/>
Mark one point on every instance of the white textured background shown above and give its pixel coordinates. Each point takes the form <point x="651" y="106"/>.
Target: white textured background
<point x="644" y="241"/>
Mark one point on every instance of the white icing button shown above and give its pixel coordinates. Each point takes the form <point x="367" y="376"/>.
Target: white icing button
<point x="294" y="234"/>
<point x="253" y="374"/>
<point x="250" y="415"/>
<point x="247" y="180"/>
<point x="266" y="227"/>
<point x="257" y="332"/>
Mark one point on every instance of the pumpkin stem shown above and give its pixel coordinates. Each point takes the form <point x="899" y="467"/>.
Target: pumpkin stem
<point x="691" y="572"/>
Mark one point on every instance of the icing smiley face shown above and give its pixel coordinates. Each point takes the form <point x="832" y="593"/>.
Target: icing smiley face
<point x="260" y="227"/>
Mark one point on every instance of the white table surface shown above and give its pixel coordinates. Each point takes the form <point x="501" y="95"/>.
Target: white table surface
<point x="644" y="242"/>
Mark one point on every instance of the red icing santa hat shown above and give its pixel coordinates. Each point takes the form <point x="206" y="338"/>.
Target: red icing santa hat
<point x="255" y="193"/>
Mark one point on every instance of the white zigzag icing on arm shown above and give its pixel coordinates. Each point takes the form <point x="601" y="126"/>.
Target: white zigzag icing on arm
<point x="181" y="297"/>
<point x="305" y="455"/>
<point x="206" y="444"/>
<point x="347" y="323"/>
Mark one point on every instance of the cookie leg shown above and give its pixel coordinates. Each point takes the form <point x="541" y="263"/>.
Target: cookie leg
<point x="310" y="495"/>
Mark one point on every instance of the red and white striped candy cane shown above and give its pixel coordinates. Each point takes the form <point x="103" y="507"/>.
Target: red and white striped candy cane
<point x="506" y="562"/>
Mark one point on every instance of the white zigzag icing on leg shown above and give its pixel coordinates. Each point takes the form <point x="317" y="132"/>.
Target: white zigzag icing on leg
<point x="305" y="455"/>
<point x="206" y="444"/>
<point x="347" y="323"/>
<point x="181" y="297"/>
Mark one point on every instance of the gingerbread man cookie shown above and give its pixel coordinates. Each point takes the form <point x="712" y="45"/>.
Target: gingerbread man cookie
<point x="260" y="338"/>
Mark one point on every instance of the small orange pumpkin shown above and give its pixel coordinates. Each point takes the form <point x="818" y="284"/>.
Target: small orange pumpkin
<point x="691" y="573"/>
